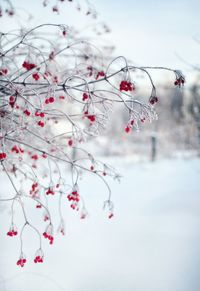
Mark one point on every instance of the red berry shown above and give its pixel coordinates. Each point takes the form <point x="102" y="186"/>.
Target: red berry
<point x="70" y="142"/>
<point x="27" y="113"/>
<point x="85" y="96"/>
<point x="36" y="76"/>
<point x="127" y="129"/>
<point x="40" y="123"/>
<point x="2" y="156"/>
<point x="51" y="99"/>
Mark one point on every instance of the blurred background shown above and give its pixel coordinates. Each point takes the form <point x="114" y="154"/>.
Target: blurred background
<point x="152" y="242"/>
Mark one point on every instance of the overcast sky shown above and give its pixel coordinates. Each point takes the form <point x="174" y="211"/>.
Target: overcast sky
<point x="150" y="32"/>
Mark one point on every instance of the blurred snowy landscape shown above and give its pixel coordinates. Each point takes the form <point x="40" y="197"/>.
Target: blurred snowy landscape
<point x="151" y="244"/>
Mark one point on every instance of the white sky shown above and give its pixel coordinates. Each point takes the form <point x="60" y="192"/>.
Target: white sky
<point x="149" y="32"/>
<point x="152" y="31"/>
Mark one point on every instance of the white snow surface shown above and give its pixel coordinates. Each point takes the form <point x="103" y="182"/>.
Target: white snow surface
<point x="151" y="244"/>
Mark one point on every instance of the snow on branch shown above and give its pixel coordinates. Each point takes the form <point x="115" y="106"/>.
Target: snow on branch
<point x="56" y="92"/>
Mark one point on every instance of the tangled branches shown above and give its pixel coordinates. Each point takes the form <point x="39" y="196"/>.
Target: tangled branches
<point x="56" y="92"/>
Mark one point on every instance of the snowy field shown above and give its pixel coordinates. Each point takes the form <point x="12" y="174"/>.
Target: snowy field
<point x="151" y="244"/>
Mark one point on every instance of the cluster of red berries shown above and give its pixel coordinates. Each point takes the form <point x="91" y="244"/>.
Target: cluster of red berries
<point x="41" y="123"/>
<point x="100" y="74"/>
<point x="21" y="262"/>
<point x="126" y="86"/>
<point x="36" y="76"/>
<point x="12" y="231"/>
<point x="50" y="191"/>
<point x="153" y="100"/>
<point x="28" y="66"/>
<point x="75" y="198"/>
<point x="27" y="112"/>
<point x="129" y="126"/>
<point x="91" y="117"/>
<point x="49" y="100"/>
<point x="179" y="81"/>
<point x="34" y="189"/>
<point x="38" y="259"/>
<point x="39" y="114"/>
<point x="48" y="236"/>
<point x="2" y="156"/>
<point x="17" y="150"/>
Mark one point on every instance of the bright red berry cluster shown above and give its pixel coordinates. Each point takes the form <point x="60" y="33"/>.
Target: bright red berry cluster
<point x="2" y="156"/>
<point x="75" y="198"/>
<point x="41" y="123"/>
<point x="38" y="259"/>
<point x="126" y="86"/>
<point x="27" y="112"/>
<point x="28" y="66"/>
<point x="50" y="191"/>
<point x="12" y="231"/>
<point x="91" y="117"/>
<point x="21" y="262"/>
<point x="49" y="237"/>
<point x="17" y="150"/>
<point x="100" y="74"/>
<point x="39" y="114"/>
<point x="49" y="100"/>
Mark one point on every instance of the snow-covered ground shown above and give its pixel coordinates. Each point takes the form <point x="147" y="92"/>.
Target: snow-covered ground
<point x="151" y="244"/>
